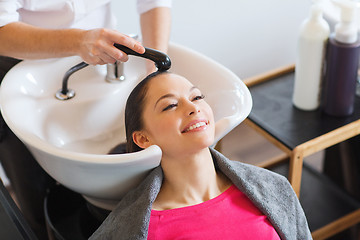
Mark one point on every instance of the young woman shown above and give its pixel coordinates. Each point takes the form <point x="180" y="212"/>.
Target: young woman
<point x="196" y="193"/>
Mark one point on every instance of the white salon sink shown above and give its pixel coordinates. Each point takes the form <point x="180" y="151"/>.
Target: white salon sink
<point x="70" y="139"/>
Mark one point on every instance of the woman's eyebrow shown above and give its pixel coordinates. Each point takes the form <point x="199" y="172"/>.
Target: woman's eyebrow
<point x="193" y="88"/>
<point x="169" y="95"/>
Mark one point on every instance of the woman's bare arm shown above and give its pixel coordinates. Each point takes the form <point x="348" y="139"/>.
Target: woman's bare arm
<point x="23" y="41"/>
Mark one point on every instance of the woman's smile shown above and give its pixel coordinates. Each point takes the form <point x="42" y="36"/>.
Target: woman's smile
<point x="197" y="125"/>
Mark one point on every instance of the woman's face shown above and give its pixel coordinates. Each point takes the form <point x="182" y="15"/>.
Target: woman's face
<point x="176" y="116"/>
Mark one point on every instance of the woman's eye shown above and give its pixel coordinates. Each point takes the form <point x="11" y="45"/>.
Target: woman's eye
<point x="198" y="97"/>
<point x="170" y="106"/>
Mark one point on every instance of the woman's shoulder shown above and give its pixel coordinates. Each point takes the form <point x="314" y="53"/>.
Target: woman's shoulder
<point x="257" y="183"/>
<point x="270" y="192"/>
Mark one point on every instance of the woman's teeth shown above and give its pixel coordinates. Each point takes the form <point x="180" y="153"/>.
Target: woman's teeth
<point x="197" y="125"/>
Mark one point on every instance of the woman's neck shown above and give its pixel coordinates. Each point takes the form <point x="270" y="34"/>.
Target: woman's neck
<point x="189" y="180"/>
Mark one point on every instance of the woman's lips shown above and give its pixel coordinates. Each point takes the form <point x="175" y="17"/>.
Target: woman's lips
<point x="197" y="125"/>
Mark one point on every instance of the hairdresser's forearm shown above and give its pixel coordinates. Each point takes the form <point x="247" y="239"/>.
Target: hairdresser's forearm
<point x="23" y="41"/>
<point x="155" y="28"/>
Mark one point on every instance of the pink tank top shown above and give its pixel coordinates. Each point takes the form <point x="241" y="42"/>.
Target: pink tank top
<point x="231" y="215"/>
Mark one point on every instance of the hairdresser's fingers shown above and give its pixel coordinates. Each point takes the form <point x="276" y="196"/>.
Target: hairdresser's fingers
<point x="95" y="48"/>
<point x="91" y="47"/>
<point x="100" y="43"/>
<point x="108" y="59"/>
<point x="114" y="53"/>
<point x="125" y="40"/>
<point x="94" y="60"/>
<point x="101" y="59"/>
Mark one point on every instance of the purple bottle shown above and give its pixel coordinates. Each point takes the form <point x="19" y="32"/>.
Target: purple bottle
<point x="342" y="63"/>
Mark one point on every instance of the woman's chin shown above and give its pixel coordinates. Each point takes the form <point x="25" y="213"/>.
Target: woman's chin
<point x="200" y="145"/>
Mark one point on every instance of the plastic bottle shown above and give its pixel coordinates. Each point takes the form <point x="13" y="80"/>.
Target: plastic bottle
<point x="342" y="62"/>
<point x="314" y="33"/>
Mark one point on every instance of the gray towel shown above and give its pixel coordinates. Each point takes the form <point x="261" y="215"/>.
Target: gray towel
<point x="270" y="192"/>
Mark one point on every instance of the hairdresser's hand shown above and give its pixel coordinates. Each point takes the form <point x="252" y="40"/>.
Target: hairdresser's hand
<point x="98" y="46"/>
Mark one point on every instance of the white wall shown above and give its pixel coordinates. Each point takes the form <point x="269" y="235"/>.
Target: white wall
<point x="247" y="36"/>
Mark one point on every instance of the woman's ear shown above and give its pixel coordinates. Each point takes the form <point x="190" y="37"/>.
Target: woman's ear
<point x="140" y="139"/>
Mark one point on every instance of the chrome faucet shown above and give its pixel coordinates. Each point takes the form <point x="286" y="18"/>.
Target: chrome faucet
<point x="115" y="72"/>
<point x="161" y="60"/>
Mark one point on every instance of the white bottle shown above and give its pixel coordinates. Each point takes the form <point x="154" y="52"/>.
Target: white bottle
<point x="314" y="33"/>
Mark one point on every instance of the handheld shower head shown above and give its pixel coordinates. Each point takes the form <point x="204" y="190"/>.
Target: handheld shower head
<point x="162" y="61"/>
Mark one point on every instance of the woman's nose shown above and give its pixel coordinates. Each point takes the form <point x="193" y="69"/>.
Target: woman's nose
<point x="193" y="108"/>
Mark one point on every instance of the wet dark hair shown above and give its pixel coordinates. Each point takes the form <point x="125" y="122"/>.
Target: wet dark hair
<point x="134" y="111"/>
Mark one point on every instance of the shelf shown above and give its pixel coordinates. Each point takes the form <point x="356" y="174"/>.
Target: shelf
<point x="322" y="200"/>
<point x="274" y="112"/>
